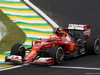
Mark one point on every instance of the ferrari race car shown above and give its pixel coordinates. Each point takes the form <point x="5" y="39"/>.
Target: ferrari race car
<point x="63" y="43"/>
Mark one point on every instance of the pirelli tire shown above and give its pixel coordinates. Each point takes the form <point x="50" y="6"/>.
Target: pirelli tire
<point x="92" y="45"/>
<point x="57" y="53"/>
<point x="18" y="49"/>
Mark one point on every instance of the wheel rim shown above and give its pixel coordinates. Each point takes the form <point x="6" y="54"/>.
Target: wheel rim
<point x="60" y="56"/>
<point x="83" y="51"/>
<point x="96" y="46"/>
<point x="21" y="51"/>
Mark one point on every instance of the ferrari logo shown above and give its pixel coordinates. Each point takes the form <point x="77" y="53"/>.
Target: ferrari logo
<point x="64" y="36"/>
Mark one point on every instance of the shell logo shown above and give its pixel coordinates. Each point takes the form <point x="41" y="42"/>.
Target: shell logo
<point x="33" y="52"/>
<point x="71" y="47"/>
<point x="53" y="44"/>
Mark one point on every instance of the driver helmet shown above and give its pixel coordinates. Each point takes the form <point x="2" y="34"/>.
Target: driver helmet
<point x="57" y="28"/>
<point x="53" y="37"/>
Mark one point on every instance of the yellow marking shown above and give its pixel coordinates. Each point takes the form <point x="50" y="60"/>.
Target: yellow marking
<point x="12" y="4"/>
<point x="36" y="33"/>
<point x="29" y="41"/>
<point x="33" y="51"/>
<point x="2" y="57"/>
<point x="5" y="66"/>
<point x="19" y="11"/>
<point x="15" y="17"/>
<point x="64" y="35"/>
<point x="71" y="48"/>
<point x="42" y="27"/>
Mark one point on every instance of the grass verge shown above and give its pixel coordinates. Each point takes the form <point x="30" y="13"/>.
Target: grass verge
<point x="14" y="34"/>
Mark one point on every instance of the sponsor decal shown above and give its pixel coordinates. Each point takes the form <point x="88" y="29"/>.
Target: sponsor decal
<point x="33" y="51"/>
<point x="75" y="26"/>
<point x="9" y="57"/>
<point x="43" y="42"/>
<point x="87" y="32"/>
<point x="31" y="54"/>
<point x="36" y="47"/>
<point x="43" y="60"/>
<point x="47" y="45"/>
<point x="18" y="58"/>
<point x="75" y="47"/>
<point x="71" y="47"/>
<point x="53" y="44"/>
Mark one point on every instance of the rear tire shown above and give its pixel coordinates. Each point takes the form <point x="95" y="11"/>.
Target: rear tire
<point x="18" y="49"/>
<point x="92" y="45"/>
<point x="57" y="53"/>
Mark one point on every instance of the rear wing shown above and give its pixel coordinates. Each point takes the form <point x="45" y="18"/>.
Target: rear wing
<point x="85" y="28"/>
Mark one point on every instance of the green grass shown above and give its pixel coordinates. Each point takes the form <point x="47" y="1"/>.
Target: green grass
<point x="14" y="34"/>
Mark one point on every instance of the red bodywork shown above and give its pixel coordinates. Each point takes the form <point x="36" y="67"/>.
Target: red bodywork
<point x="68" y="46"/>
<point x="64" y="40"/>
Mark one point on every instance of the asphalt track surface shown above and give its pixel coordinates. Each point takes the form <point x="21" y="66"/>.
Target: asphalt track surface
<point x="64" y="12"/>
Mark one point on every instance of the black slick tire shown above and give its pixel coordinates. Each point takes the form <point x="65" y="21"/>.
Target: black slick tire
<point x="57" y="53"/>
<point x="18" y="49"/>
<point x="92" y="45"/>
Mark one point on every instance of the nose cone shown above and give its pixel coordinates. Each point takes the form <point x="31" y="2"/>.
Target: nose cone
<point x="30" y="57"/>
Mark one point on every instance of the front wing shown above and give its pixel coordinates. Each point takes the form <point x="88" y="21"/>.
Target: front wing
<point x="41" y="60"/>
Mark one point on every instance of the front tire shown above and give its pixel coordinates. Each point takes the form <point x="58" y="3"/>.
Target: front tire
<point x="92" y="45"/>
<point x="57" y="53"/>
<point x="18" y="49"/>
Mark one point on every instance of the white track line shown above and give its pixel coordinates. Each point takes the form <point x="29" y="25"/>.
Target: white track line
<point x="1" y="68"/>
<point x="13" y="67"/>
<point x="41" y="13"/>
<point x="69" y="67"/>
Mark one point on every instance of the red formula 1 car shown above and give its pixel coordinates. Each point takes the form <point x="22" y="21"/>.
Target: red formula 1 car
<point x="64" y="43"/>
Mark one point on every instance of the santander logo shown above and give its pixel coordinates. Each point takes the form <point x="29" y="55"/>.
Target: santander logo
<point x="79" y="26"/>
